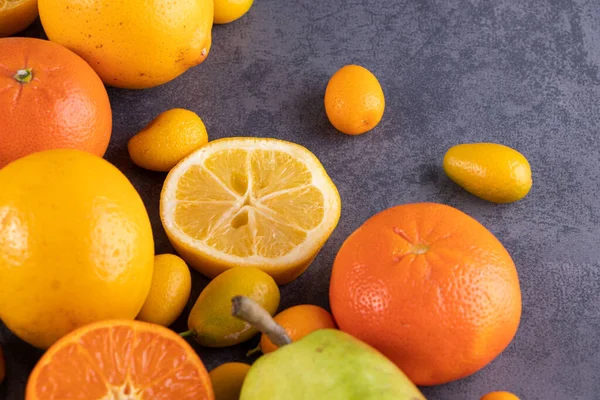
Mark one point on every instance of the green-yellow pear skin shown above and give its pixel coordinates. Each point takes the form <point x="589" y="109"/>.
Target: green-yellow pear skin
<point x="327" y="364"/>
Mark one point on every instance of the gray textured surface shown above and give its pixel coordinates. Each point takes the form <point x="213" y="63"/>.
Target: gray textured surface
<point x="524" y="74"/>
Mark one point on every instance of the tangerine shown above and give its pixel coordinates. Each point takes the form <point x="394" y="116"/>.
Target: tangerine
<point x="120" y="359"/>
<point x="50" y="98"/>
<point x="499" y="396"/>
<point x="429" y="287"/>
<point x="299" y="321"/>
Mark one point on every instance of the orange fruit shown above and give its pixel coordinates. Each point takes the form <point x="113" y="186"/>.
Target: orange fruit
<point x="117" y="359"/>
<point x="133" y="44"/>
<point x="50" y="98"/>
<point x="227" y="380"/>
<point x="499" y="396"/>
<point x="429" y="287"/>
<point x="354" y="100"/>
<point x="16" y="15"/>
<point x="299" y="321"/>
<point x="2" y="367"/>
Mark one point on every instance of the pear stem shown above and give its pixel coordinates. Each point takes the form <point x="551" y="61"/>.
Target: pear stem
<point x="186" y="333"/>
<point x="250" y="311"/>
<point x="255" y="350"/>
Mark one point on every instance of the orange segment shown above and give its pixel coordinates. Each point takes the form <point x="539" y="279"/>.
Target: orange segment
<point x="120" y="359"/>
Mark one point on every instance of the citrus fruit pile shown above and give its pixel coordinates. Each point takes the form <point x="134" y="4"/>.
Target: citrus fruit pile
<point x="420" y="294"/>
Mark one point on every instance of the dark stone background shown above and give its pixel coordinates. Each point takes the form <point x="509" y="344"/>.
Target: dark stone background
<point x="521" y="73"/>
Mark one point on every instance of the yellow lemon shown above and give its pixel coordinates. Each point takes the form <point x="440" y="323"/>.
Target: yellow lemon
<point x="354" y="100"/>
<point x="16" y="15"/>
<point x="227" y="11"/>
<point x="168" y="139"/>
<point x="76" y="245"/>
<point x="491" y="171"/>
<point x="210" y="321"/>
<point x="133" y="44"/>
<point x="170" y="291"/>
<point x="227" y="380"/>
<point x="249" y="202"/>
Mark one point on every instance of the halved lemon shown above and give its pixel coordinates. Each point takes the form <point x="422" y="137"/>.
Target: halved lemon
<point x="250" y="202"/>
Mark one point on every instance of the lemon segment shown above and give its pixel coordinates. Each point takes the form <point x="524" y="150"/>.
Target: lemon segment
<point x="264" y="203"/>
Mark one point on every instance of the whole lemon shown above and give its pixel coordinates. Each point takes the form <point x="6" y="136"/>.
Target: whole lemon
<point x="76" y="245"/>
<point x="491" y="171"/>
<point x="354" y="100"/>
<point x="167" y="139"/>
<point x="170" y="290"/>
<point x="132" y="44"/>
<point x="227" y="11"/>
<point x="210" y="321"/>
<point x="227" y="380"/>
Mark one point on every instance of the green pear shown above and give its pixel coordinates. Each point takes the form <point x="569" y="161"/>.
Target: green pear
<point x="326" y="364"/>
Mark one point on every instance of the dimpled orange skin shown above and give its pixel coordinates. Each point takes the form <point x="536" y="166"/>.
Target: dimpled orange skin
<point x="354" y="100"/>
<point x="65" y="105"/>
<point x="76" y="245"/>
<point x="299" y="321"/>
<point x="499" y="396"/>
<point x="133" y="44"/>
<point x="429" y="287"/>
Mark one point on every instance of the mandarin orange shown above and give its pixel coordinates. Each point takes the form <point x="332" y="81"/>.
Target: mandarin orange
<point x="429" y="287"/>
<point x="299" y="321"/>
<point x="50" y="98"/>
<point x="499" y="396"/>
<point x="120" y="359"/>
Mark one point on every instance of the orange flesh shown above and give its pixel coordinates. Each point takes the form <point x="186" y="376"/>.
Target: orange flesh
<point x="124" y="360"/>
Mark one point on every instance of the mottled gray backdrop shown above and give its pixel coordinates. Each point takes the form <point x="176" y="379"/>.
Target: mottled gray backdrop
<point x="521" y="73"/>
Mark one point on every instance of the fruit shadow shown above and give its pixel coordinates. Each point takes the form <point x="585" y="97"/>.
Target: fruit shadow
<point x="311" y="116"/>
<point x="20" y="358"/>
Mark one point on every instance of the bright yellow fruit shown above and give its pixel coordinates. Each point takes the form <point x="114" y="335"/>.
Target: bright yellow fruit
<point x="16" y="15"/>
<point x="354" y="100"/>
<point x="170" y="291"/>
<point x="227" y="380"/>
<point x="210" y="321"/>
<point x="491" y="171"/>
<point x="76" y="245"/>
<point x="227" y="11"/>
<point x="132" y="44"/>
<point x="168" y="139"/>
<point x="249" y="202"/>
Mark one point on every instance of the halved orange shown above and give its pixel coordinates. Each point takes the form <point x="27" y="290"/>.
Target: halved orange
<point x="16" y="15"/>
<point x="120" y="360"/>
